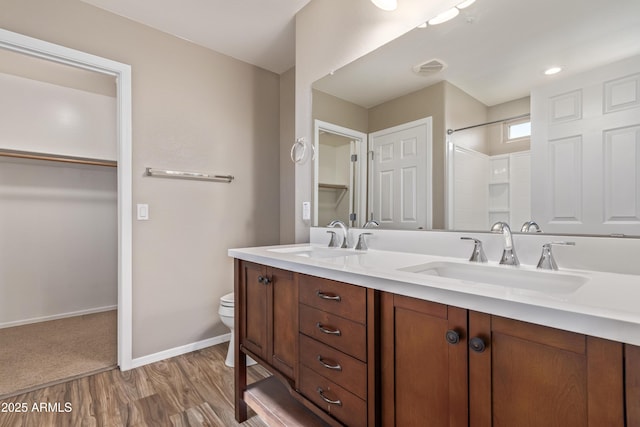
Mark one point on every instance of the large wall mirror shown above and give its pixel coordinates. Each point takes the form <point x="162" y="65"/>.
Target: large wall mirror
<point x="507" y="142"/>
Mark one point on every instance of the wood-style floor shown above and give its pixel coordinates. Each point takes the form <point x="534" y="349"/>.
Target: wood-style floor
<point x="195" y="389"/>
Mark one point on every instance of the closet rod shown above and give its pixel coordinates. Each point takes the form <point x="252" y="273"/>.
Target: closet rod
<point x="521" y="116"/>
<point x="56" y="158"/>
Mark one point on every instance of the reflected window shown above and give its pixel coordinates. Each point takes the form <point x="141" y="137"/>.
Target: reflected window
<point x="516" y="130"/>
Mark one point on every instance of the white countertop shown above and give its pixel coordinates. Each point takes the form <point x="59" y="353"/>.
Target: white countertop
<point x="606" y="305"/>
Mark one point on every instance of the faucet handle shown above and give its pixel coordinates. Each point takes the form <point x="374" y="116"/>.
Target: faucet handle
<point x="531" y="227"/>
<point x="547" y="262"/>
<point x="362" y="244"/>
<point x="478" y="253"/>
<point x="333" y="242"/>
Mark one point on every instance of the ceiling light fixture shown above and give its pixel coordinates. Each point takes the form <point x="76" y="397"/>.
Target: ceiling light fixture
<point x="465" y="4"/>
<point x="449" y="14"/>
<point x="444" y="16"/>
<point x="553" y="70"/>
<point x="386" y="4"/>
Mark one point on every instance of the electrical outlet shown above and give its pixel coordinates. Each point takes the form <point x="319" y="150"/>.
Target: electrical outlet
<point x="306" y="211"/>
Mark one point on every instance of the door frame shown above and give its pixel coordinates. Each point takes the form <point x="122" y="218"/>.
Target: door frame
<point x="122" y="73"/>
<point x="360" y="139"/>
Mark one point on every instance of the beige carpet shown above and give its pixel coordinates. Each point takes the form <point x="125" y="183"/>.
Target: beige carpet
<point x="40" y="354"/>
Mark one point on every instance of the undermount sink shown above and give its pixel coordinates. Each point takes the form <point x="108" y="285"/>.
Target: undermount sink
<point x="315" y="252"/>
<point x="505" y="276"/>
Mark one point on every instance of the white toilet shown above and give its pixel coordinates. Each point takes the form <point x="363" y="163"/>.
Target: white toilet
<point x="226" y="312"/>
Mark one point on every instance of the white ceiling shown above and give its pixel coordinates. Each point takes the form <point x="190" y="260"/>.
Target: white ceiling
<point x="260" y="32"/>
<point x="495" y="50"/>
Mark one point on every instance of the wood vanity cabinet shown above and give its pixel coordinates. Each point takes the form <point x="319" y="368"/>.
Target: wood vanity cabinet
<point x="360" y="357"/>
<point x="337" y="364"/>
<point x="445" y="366"/>
<point x="268" y="300"/>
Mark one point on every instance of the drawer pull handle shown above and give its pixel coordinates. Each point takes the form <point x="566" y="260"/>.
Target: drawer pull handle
<point x="328" y="331"/>
<point x="329" y="401"/>
<point x="328" y="296"/>
<point x="335" y="367"/>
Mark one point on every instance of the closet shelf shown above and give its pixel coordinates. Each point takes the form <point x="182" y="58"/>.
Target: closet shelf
<point x="335" y="187"/>
<point x="56" y="158"/>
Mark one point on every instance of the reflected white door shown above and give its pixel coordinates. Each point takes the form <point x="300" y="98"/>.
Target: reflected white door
<point x="401" y="176"/>
<point x="585" y="151"/>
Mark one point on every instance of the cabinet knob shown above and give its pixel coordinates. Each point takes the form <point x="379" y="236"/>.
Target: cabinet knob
<point x="264" y="280"/>
<point x="477" y="344"/>
<point x="452" y="337"/>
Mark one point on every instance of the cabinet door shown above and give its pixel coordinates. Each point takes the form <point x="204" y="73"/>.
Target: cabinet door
<point x="254" y="306"/>
<point x="283" y="326"/>
<point x="424" y="376"/>
<point x="531" y="375"/>
<point x="632" y="384"/>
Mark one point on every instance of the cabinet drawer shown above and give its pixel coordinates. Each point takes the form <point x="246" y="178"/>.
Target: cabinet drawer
<point x="347" y="407"/>
<point x="338" y="332"/>
<point x="334" y="365"/>
<point x="345" y="300"/>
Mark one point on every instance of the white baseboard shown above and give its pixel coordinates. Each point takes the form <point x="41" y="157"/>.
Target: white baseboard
<point x="177" y="351"/>
<point x="57" y="316"/>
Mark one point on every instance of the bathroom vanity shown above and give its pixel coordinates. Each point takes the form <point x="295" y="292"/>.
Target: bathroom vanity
<point x="399" y="339"/>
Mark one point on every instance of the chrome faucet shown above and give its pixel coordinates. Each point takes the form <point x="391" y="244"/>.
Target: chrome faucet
<point x="531" y="227"/>
<point x="509" y="256"/>
<point x="345" y="232"/>
<point x="362" y="244"/>
<point x="478" y="253"/>
<point x="332" y="241"/>
<point x="547" y="262"/>
<point x="371" y="223"/>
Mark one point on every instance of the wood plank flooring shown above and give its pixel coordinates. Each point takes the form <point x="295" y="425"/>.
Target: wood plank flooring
<point x="195" y="389"/>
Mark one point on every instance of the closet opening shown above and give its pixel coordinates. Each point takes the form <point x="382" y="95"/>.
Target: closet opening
<point x="65" y="183"/>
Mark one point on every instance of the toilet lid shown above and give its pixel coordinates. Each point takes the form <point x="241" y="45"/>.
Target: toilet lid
<point x="227" y="299"/>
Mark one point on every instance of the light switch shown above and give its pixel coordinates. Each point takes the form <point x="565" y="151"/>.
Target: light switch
<point x="143" y="212"/>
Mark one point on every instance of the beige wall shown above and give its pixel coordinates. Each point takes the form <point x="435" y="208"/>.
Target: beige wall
<point x="427" y="102"/>
<point x="463" y="110"/>
<point x="331" y="109"/>
<point x="494" y="132"/>
<point x="58" y="223"/>
<point x="193" y="109"/>
<point x="357" y="28"/>
<point x="287" y="168"/>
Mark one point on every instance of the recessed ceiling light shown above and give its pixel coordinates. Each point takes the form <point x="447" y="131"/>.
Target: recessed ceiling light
<point x="465" y="4"/>
<point x="552" y="70"/>
<point x="386" y="4"/>
<point x="444" y="16"/>
<point x="423" y="25"/>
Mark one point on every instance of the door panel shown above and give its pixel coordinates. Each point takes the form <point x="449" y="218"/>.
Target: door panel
<point x="284" y="348"/>
<point x="254" y="300"/>
<point x="424" y="378"/>
<point x="531" y="375"/>
<point x="401" y="176"/>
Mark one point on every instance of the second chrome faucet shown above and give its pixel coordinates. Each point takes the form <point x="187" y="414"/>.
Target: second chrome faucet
<point x="509" y="256"/>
